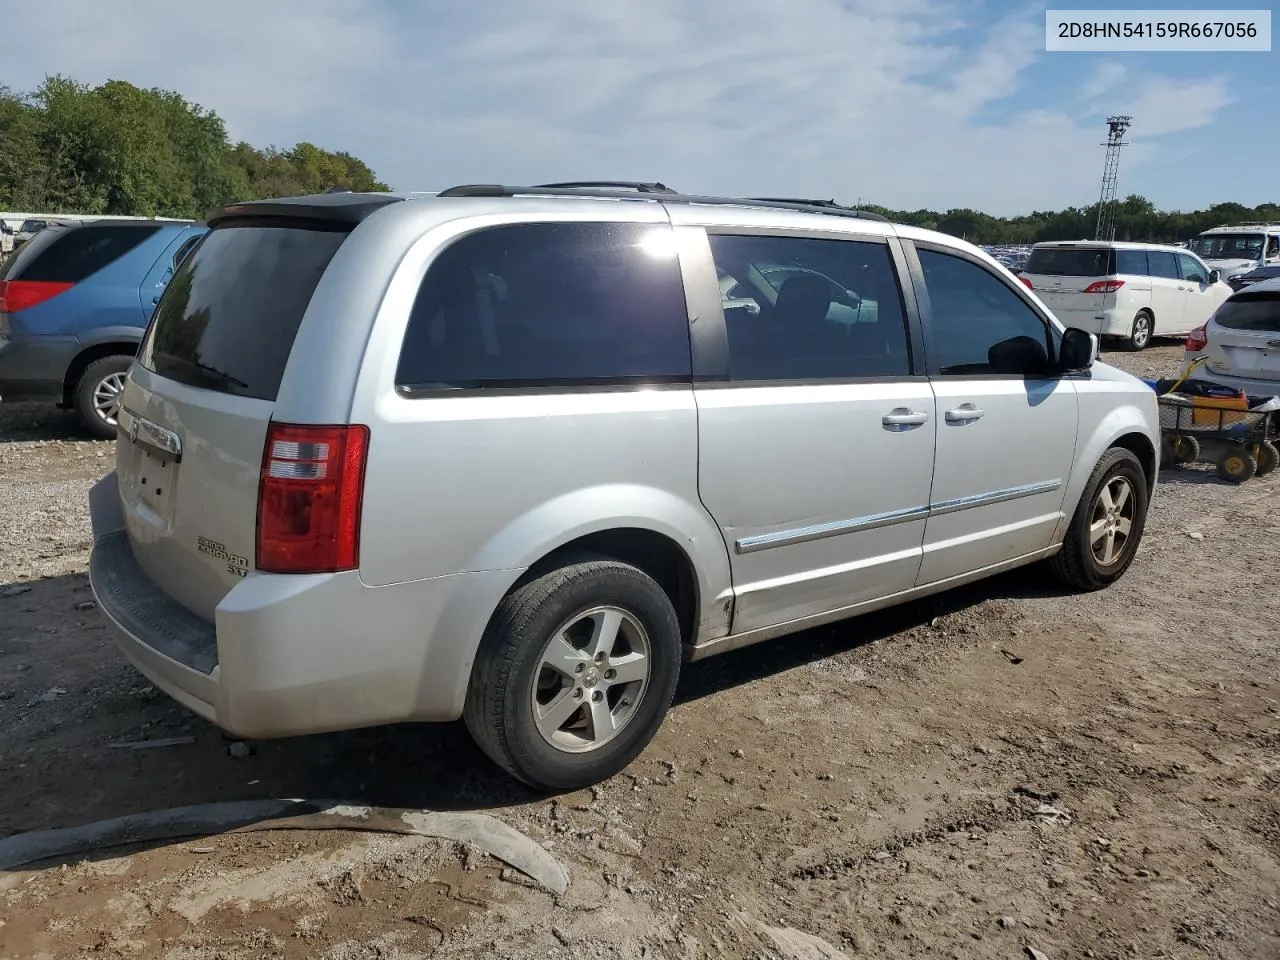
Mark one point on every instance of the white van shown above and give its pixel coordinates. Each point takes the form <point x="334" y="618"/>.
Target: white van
<point x="1239" y="249"/>
<point x="1134" y="291"/>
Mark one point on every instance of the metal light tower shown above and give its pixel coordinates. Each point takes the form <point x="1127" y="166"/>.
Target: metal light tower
<point x="1116" y="126"/>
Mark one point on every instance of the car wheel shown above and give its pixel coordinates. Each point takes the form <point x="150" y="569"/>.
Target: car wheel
<point x="1140" y="336"/>
<point x="1103" y="536"/>
<point x="98" y="394"/>
<point x="1268" y="457"/>
<point x="575" y="674"/>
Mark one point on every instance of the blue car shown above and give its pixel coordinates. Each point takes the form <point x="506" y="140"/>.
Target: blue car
<point x="74" y="303"/>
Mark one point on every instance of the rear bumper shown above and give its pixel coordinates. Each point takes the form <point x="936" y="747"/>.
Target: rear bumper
<point x="291" y="655"/>
<point x="33" y="368"/>
<point x="1256" y="389"/>
<point x="1104" y="323"/>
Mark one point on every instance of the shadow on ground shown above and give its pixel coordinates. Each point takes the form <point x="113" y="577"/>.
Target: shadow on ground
<point x="71" y="707"/>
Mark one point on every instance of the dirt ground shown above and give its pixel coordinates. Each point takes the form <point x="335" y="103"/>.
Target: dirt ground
<point x="1001" y="772"/>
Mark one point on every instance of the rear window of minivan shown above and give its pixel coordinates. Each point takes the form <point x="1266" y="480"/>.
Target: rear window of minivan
<point x="228" y="319"/>
<point x="70" y="255"/>
<point x="1072" y="262"/>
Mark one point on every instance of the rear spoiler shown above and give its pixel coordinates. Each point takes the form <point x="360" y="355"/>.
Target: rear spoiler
<point x="337" y="208"/>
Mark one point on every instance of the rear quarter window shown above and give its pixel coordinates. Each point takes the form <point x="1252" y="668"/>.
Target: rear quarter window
<point x="1072" y="262"/>
<point x="1251" y="311"/>
<point x="549" y="304"/>
<point x="229" y="316"/>
<point x="70" y="256"/>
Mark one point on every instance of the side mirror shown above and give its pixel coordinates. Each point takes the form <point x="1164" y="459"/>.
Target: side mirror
<point x="1215" y="276"/>
<point x="1078" y="351"/>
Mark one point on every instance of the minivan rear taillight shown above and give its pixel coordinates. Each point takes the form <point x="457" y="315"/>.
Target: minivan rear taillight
<point x="309" y="498"/>
<point x="1104" y="286"/>
<point x="18" y="295"/>
<point x="1198" y="339"/>
<point x="1030" y="285"/>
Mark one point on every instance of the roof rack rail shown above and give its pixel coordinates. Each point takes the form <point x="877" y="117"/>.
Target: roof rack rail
<point x="636" y="185"/>
<point x="800" y="200"/>
<point x="629" y="192"/>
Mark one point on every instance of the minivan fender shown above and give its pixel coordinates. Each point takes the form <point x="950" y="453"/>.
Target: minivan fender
<point x="1131" y="425"/>
<point x="555" y="523"/>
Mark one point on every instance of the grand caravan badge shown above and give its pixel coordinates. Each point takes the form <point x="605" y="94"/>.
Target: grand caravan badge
<point x="239" y="566"/>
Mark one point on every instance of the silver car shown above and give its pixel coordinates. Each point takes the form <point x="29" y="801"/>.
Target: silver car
<point x="509" y="454"/>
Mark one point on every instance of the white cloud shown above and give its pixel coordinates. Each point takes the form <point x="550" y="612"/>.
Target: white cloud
<point x="878" y="99"/>
<point x="1106" y="76"/>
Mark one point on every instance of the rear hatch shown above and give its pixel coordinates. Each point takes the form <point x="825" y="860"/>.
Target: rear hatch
<point x="198" y="405"/>
<point x="1072" y="278"/>
<point x="1244" y="336"/>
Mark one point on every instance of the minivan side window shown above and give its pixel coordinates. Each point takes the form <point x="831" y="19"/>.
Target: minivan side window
<point x="1191" y="269"/>
<point x="803" y="308"/>
<point x="1163" y="264"/>
<point x="550" y="304"/>
<point x="978" y="324"/>
<point x="1132" y="263"/>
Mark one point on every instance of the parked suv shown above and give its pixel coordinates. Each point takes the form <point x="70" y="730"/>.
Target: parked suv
<point x="74" y="302"/>
<point x="1134" y="291"/>
<point x="503" y="454"/>
<point x="1241" y="342"/>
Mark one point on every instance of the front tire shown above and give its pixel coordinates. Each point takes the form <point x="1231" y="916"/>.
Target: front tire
<point x="575" y="674"/>
<point x="98" y="393"/>
<point x="1107" y="526"/>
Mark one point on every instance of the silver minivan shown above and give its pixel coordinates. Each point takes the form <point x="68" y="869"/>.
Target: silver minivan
<point x="514" y="454"/>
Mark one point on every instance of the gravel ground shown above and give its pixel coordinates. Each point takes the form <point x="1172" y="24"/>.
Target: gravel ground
<point x="994" y="772"/>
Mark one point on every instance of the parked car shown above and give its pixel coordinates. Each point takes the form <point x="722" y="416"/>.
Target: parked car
<point x="1132" y="291"/>
<point x="74" y="301"/>
<point x="497" y="454"/>
<point x="1254" y="276"/>
<point x="1240" y="248"/>
<point x="1241" y="341"/>
<point x="7" y="239"/>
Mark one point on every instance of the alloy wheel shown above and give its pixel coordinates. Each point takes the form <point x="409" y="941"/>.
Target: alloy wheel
<point x="590" y="679"/>
<point x="1112" y="521"/>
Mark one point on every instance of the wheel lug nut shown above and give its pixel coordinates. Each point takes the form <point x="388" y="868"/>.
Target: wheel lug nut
<point x="577" y="693"/>
<point x="597" y="696"/>
<point x="610" y="674"/>
<point x="600" y="657"/>
<point x="579" y="668"/>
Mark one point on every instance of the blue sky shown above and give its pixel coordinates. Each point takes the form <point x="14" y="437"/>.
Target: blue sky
<point x="909" y="103"/>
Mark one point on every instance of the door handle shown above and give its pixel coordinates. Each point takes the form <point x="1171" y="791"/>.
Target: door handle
<point x="900" y="418"/>
<point x="965" y="413"/>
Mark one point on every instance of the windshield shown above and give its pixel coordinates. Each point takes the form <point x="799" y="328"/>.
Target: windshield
<point x="1229" y="246"/>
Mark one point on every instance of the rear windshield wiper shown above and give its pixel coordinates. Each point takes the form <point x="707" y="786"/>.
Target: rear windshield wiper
<point x="219" y="376"/>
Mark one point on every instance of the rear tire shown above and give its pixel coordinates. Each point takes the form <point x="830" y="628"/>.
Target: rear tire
<point x="1236" y="465"/>
<point x="1179" y="449"/>
<point x="1268" y="457"/>
<point x="98" y="392"/>
<point x="1103" y="536"/>
<point x="561" y="696"/>
<point x="1140" y="335"/>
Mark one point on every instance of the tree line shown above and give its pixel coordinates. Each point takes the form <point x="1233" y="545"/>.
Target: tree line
<point x="67" y="147"/>
<point x="119" y="149"/>
<point x="1135" y="218"/>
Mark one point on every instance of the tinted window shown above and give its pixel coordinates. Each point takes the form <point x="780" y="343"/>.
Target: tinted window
<point x="1071" y="261"/>
<point x="184" y="250"/>
<point x="228" y="318"/>
<point x="979" y="325"/>
<point x="1191" y="270"/>
<point x="800" y="309"/>
<point x="1131" y="262"/>
<point x="1162" y="264"/>
<point x="69" y="256"/>
<point x="1250" y="311"/>
<point x="550" y="303"/>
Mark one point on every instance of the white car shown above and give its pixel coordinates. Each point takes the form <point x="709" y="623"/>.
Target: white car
<point x="1133" y="291"/>
<point x="1241" y="342"/>
<point x="1237" y="250"/>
